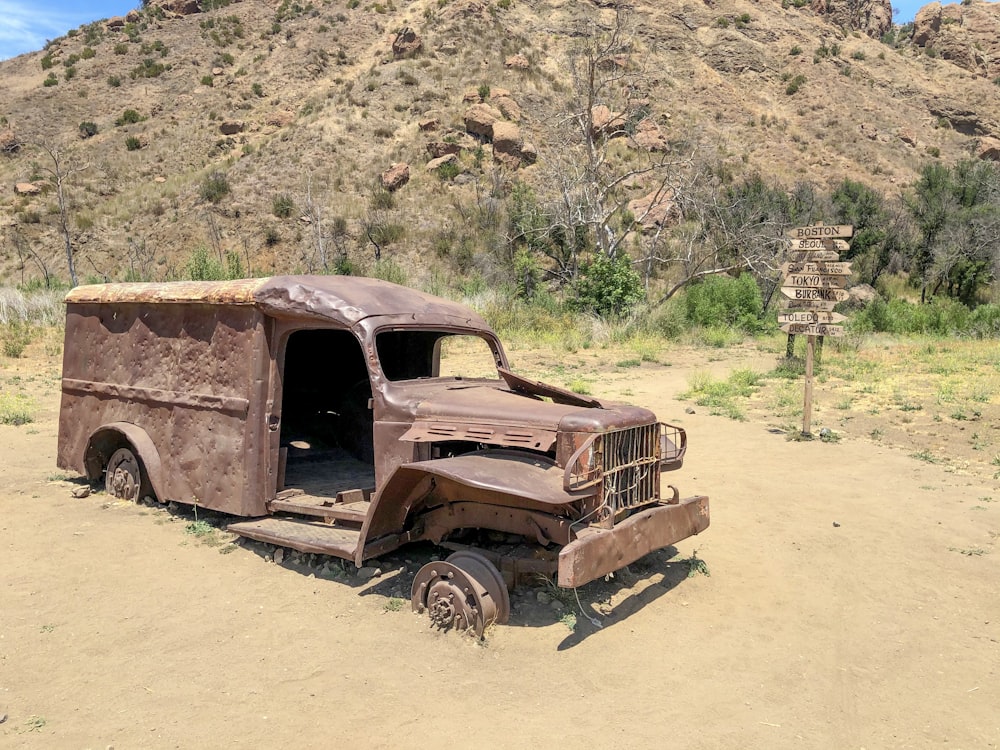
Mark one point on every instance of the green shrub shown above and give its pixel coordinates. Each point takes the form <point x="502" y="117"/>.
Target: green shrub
<point x="207" y="80"/>
<point x="14" y="338"/>
<point x="129" y="117"/>
<point x="88" y="52"/>
<point x="796" y="50"/>
<point x="214" y="187"/>
<point x="940" y="317"/>
<point x="257" y="90"/>
<point x="121" y="48"/>
<point x="202" y="266"/>
<point x="607" y="286"/>
<point x="51" y="80"/>
<point x="449" y="170"/>
<point x="47" y="62"/>
<point x="132" y="143"/>
<point x="88" y="129"/>
<point x="114" y="81"/>
<point x="857" y="55"/>
<point x="282" y="205"/>
<point x="16" y="409"/>
<point x="70" y="73"/>
<point x="148" y="69"/>
<point x="484" y="92"/>
<point x="794" y="85"/>
<point x="725" y="302"/>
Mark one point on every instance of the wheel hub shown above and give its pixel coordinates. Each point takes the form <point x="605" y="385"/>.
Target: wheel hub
<point x="465" y="592"/>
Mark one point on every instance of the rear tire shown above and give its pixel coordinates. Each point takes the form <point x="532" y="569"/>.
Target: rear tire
<point x="125" y="478"/>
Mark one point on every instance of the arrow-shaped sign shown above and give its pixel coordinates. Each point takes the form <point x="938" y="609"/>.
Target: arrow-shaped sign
<point x="807" y="317"/>
<point x="817" y="244"/>
<point x="814" y="281"/>
<point x="821" y="231"/>
<point x="827" y="295"/>
<point x="808" y="304"/>
<point x="813" y="256"/>
<point x="830" y="269"/>
<point x="815" y="329"/>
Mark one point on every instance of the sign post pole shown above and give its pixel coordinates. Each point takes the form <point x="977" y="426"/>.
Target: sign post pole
<point x="808" y="404"/>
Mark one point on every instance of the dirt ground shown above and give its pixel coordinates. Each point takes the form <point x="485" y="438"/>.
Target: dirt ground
<point x="852" y="602"/>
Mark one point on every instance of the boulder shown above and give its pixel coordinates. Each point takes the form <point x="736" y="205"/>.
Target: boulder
<point x="605" y="122"/>
<point x="396" y="176"/>
<point x="280" y="119"/>
<point x="517" y="62"/>
<point x="655" y="210"/>
<point x="507" y="106"/>
<point x="507" y="143"/>
<point x="446" y="159"/>
<point x="115" y="22"/>
<point x="649" y="136"/>
<point x="479" y="119"/>
<point x="861" y="295"/>
<point x="231" y="127"/>
<point x="437" y="149"/>
<point x="133" y="16"/>
<point x="431" y="123"/>
<point x="27" y="188"/>
<point x="988" y="149"/>
<point x="407" y="43"/>
<point x="926" y="24"/>
<point x="472" y="95"/>
<point x="9" y="142"/>
<point x="906" y="136"/>
<point x="529" y="154"/>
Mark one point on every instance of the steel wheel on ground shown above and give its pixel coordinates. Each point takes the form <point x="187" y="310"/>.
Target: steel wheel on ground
<point x="124" y="477"/>
<point x="465" y="592"/>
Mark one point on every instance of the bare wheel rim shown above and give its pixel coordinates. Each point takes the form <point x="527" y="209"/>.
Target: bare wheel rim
<point x="466" y="593"/>
<point x="123" y="478"/>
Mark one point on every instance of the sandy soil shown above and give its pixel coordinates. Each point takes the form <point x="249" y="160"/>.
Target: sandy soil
<point x="852" y="603"/>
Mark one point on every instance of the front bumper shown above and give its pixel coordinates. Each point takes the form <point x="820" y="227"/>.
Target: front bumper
<point x="596" y="552"/>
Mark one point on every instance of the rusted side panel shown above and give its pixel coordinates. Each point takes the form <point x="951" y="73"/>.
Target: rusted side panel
<point x="179" y="372"/>
<point x="597" y="552"/>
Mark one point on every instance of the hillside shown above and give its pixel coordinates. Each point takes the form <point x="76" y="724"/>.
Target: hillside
<point x="262" y="128"/>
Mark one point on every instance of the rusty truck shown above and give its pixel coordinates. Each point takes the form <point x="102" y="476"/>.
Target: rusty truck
<point x="349" y="416"/>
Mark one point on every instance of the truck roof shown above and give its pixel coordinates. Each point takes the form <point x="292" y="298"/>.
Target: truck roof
<point x="344" y="299"/>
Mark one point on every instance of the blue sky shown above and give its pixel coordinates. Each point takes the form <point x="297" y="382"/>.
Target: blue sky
<point x="26" y="25"/>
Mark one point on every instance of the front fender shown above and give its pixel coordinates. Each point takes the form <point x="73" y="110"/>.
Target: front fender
<point x="516" y="481"/>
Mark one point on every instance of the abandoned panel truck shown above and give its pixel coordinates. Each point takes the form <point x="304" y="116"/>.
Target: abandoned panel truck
<point x="349" y="416"/>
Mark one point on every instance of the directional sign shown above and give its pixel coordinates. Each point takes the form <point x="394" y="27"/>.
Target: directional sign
<point x="813" y="329"/>
<point x="828" y="295"/>
<point x="814" y="281"/>
<point x="808" y="304"/>
<point x="821" y="231"/>
<point x="808" y="317"/>
<point x="813" y="256"/>
<point x="817" y="244"/>
<point x="829" y="269"/>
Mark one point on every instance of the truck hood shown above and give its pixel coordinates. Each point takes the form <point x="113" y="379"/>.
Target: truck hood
<point x="496" y="415"/>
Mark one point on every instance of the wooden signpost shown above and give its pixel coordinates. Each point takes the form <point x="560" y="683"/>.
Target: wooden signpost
<point x="814" y="280"/>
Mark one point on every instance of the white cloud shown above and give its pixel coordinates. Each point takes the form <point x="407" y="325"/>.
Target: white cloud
<point x="25" y="27"/>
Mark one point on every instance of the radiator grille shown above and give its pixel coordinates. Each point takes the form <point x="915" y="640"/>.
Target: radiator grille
<point x="630" y="459"/>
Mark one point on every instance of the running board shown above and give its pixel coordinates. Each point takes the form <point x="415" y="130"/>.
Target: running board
<point x="305" y="536"/>
<point x="355" y="512"/>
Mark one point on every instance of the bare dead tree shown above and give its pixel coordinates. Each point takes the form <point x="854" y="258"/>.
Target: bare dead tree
<point x="314" y="211"/>
<point x="26" y="252"/>
<point x="60" y="173"/>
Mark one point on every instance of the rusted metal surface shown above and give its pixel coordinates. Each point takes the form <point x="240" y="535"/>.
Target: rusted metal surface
<point x="596" y="552"/>
<point x="269" y="396"/>
<point x="464" y="592"/>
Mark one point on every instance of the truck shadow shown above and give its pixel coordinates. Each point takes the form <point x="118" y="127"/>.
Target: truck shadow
<point x="535" y="603"/>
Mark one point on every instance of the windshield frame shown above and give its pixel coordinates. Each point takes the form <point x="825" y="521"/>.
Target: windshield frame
<point x="488" y="336"/>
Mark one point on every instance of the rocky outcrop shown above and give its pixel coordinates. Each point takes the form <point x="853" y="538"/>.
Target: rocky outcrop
<point x="9" y="142"/>
<point x="871" y="17"/>
<point x="231" y="127"/>
<point x="507" y="143"/>
<point x="966" y="35"/>
<point x="27" y="188"/>
<point x="517" y="62"/>
<point x="437" y="149"/>
<point x="395" y="176"/>
<point x="604" y="122"/>
<point x="988" y="149"/>
<point x="407" y="43"/>
<point x="479" y="119"/>
<point x="960" y="117"/>
<point x="655" y="210"/>
<point x="649" y="136"/>
<point x="441" y="161"/>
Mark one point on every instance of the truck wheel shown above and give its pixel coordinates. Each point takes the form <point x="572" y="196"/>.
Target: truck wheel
<point x="125" y="478"/>
<point x="465" y="592"/>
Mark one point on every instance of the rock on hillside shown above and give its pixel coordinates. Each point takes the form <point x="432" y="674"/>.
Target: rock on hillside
<point x="873" y="17"/>
<point x="967" y="35"/>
